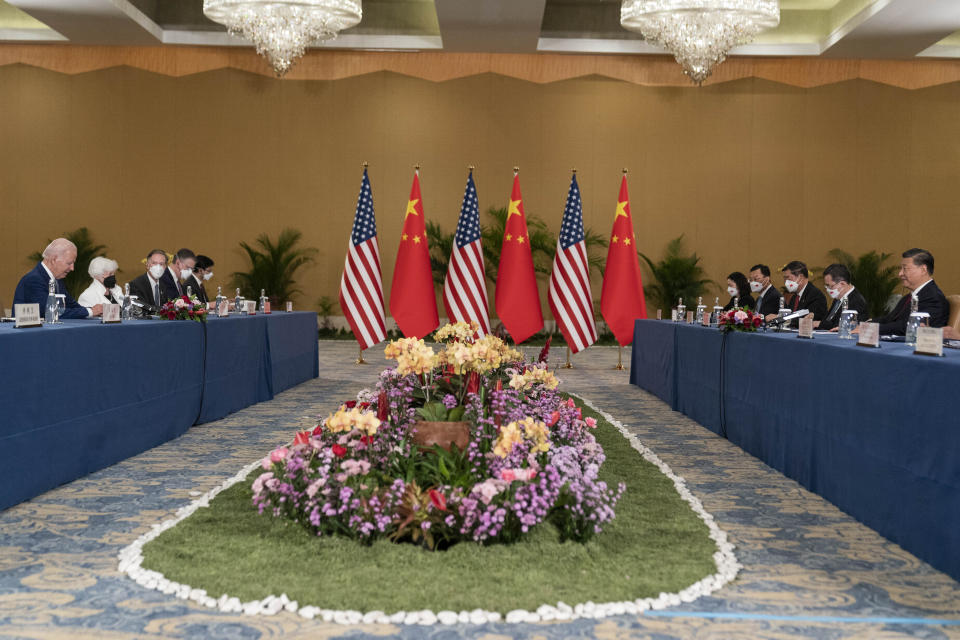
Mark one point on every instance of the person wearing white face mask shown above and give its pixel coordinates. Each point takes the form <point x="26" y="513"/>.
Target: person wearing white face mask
<point x="177" y="271"/>
<point x="739" y="290"/>
<point x="147" y="286"/>
<point x="836" y="279"/>
<point x="202" y="271"/>
<point x="796" y="279"/>
<point x="768" y="299"/>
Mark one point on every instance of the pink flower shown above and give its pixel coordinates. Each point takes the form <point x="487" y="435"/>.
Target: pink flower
<point x="508" y="475"/>
<point x="278" y="455"/>
<point x="740" y="316"/>
<point x="553" y="418"/>
<point x="591" y="422"/>
<point x="179" y="304"/>
<point x="571" y="403"/>
<point x="266" y="463"/>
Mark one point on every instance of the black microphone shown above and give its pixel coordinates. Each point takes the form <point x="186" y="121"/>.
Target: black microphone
<point x="799" y="313"/>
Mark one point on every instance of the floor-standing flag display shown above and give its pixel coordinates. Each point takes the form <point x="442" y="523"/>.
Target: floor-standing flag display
<point x="517" y="299"/>
<point x="413" y="302"/>
<point x="569" y="296"/>
<point x="361" y="288"/>
<point x="621" y="300"/>
<point x="465" y="289"/>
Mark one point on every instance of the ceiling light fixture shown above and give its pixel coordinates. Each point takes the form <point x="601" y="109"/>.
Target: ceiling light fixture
<point x="699" y="33"/>
<point x="283" y="29"/>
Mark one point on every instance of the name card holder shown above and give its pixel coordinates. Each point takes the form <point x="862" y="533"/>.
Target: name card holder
<point x="289" y="306"/>
<point x="110" y="314"/>
<point x="223" y="310"/>
<point x="251" y="307"/>
<point x="28" y="315"/>
<point x="673" y="315"/>
<point x="929" y="341"/>
<point x="806" y="328"/>
<point x="659" y="314"/>
<point x="869" y="335"/>
<point x="705" y="321"/>
<point x="266" y="308"/>
<point x="689" y="317"/>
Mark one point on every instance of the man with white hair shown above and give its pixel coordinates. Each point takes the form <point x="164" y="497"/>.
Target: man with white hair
<point x="58" y="259"/>
<point x="104" y="288"/>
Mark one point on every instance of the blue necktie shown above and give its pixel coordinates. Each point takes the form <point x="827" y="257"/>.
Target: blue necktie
<point x="156" y="294"/>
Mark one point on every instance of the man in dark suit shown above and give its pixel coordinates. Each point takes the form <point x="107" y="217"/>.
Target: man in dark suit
<point x="177" y="271"/>
<point x="146" y="286"/>
<point x="836" y="279"/>
<point x="796" y="279"/>
<point x="201" y="272"/>
<point x="916" y="274"/>
<point x="58" y="260"/>
<point x="768" y="298"/>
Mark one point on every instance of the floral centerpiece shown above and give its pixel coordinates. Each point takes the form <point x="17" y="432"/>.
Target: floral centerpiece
<point x="530" y="458"/>
<point x="183" y="308"/>
<point x="739" y="319"/>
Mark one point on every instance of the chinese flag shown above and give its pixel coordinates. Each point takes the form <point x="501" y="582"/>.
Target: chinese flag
<point x="413" y="302"/>
<point x="517" y="298"/>
<point x="621" y="301"/>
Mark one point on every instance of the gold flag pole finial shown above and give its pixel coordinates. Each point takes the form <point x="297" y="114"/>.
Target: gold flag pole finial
<point x="471" y="168"/>
<point x="624" y="171"/>
<point x="574" y="170"/>
<point x="416" y="167"/>
<point x="516" y="170"/>
<point x="360" y="359"/>
<point x="365" y="164"/>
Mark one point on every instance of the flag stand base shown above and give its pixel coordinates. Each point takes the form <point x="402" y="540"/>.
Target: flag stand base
<point x="360" y="359"/>
<point x="568" y="364"/>
<point x="619" y="366"/>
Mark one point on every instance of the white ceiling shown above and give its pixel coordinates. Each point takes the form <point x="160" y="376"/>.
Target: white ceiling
<point x="887" y="29"/>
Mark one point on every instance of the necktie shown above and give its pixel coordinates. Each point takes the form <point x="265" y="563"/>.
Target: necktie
<point x="156" y="294"/>
<point x="179" y="290"/>
<point x="796" y="301"/>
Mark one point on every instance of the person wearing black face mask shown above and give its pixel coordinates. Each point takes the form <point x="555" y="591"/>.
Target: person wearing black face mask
<point x="104" y="288"/>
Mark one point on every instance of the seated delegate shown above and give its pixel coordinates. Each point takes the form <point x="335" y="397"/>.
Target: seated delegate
<point x="796" y="279"/>
<point x="104" y="288"/>
<point x="739" y="290"/>
<point x="916" y="274"/>
<point x="58" y="260"/>
<point x="768" y="298"/>
<point x="836" y="279"/>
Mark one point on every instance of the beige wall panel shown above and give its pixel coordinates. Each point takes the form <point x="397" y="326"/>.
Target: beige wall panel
<point x="749" y="170"/>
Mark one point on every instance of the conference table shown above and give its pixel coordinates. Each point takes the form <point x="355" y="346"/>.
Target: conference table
<point x="874" y="431"/>
<point x="79" y="396"/>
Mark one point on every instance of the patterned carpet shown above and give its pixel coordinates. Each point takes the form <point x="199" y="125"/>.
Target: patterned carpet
<point x="809" y="570"/>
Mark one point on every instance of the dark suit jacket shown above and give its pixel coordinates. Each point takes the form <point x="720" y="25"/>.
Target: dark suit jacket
<point x="930" y="299"/>
<point x="197" y="287"/>
<point x="855" y="302"/>
<point x="814" y="301"/>
<point x="770" y="302"/>
<point x="33" y="288"/>
<point x="746" y="301"/>
<point x="142" y="287"/>
<point x="168" y="287"/>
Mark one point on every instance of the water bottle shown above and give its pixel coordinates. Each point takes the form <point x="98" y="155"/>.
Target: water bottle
<point x="848" y="322"/>
<point x="51" y="314"/>
<point x="238" y="303"/>
<point x="219" y="299"/>
<point x="781" y="312"/>
<point x="717" y="310"/>
<point x="189" y="292"/>
<point x="125" y="306"/>
<point x="681" y="311"/>
<point x="263" y="301"/>
<point x="701" y="310"/>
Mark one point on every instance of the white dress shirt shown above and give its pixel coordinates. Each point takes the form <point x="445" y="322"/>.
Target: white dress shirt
<point x="96" y="293"/>
<point x="50" y="273"/>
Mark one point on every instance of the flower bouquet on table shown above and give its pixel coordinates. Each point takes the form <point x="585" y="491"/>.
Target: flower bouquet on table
<point x="739" y="319"/>
<point x="183" y="308"/>
<point x="526" y="458"/>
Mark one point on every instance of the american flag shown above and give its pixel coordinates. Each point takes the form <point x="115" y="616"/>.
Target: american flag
<point x="569" y="297"/>
<point x="464" y="289"/>
<point x="361" y="287"/>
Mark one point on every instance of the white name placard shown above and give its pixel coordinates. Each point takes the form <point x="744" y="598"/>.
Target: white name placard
<point x="251" y="307"/>
<point x="673" y="315"/>
<point x="28" y="315"/>
<point x="289" y="306"/>
<point x="806" y="327"/>
<point x="659" y="314"/>
<point x="929" y="341"/>
<point x="689" y="317"/>
<point x="869" y="335"/>
<point x="111" y="314"/>
<point x="224" y="309"/>
<point x="705" y="320"/>
<point x="266" y="307"/>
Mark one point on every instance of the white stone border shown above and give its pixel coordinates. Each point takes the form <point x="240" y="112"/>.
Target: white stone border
<point x="131" y="558"/>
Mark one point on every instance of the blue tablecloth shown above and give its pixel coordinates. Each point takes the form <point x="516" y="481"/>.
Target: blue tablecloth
<point x="81" y="396"/>
<point x="871" y="430"/>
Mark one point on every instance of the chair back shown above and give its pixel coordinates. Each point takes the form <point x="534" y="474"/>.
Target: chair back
<point x="3" y="308"/>
<point x="954" y="320"/>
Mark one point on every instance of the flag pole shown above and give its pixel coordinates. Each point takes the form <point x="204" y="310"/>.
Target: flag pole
<point x="360" y="359"/>
<point x="568" y="365"/>
<point x="619" y="366"/>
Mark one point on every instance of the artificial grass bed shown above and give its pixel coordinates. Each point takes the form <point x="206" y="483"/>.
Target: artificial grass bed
<point x="655" y="544"/>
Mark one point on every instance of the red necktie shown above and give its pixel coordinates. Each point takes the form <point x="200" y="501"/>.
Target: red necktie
<point x="796" y="301"/>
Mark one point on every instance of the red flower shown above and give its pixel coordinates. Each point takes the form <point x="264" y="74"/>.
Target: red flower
<point x="364" y="406"/>
<point x="338" y="450"/>
<point x="553" y="418"/>
<point x="756" y="321"/>
<point x="367" y="440"/>
<point x="185" y="298"/>
<point x="383" y="406"/>
<point x="499" y="386"/>
<point x="473" y="382"/>
<point x="303" y="437"/>
<point x="317" y="430"/>
<point x="350" y="404"/>
<point x="438" y="499"/>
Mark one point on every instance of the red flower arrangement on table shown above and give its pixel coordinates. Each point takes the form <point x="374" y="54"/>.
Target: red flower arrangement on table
<point x="739" y="319"/>
<point x="183" y="308"/>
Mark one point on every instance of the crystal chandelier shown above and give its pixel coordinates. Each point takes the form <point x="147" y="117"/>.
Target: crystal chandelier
<point x="283" y="29"/>
<point x="699" y="33"/>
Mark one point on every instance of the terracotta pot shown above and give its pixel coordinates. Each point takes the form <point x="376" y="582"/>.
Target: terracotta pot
<point x="442" y="433"/>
